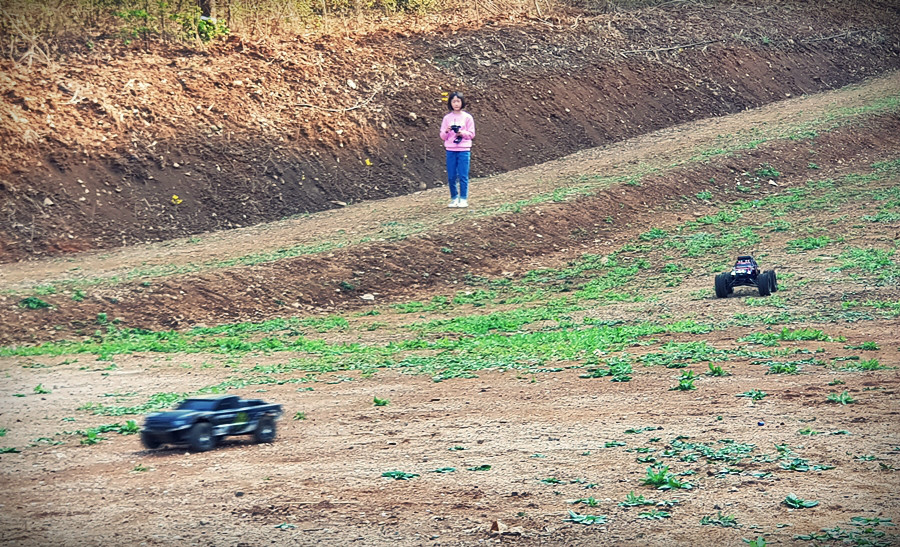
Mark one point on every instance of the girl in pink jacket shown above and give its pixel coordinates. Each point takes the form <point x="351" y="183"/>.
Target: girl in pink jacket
<point x="457" y="132"/>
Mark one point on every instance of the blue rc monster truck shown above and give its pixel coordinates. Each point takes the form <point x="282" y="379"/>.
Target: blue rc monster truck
<point x="201" y="422"/>
<point x="746" y="274"/>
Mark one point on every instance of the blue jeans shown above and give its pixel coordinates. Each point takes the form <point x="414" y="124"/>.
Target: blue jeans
<point x="458" y="167"/>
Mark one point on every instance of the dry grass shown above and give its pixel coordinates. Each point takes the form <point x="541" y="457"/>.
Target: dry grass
<point x="36" y="31"/>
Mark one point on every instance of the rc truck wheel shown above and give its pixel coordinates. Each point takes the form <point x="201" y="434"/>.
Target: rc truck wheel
<point x="200" y="437"/>
<point x="764" y="284"/>
<point x="265" y="430"/>
<point x="722" y="285"/>
<point x="774" y="279"/>
<point x="150" y="441"/>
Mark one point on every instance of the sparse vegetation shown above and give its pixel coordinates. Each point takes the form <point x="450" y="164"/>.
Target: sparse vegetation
<point x="719" y="519"/>
<point x="753" y="394"/>
<point x="33" y="303"/>
<point x="794" y="502"/>
<point x="844" y="398"/>
<point x="399" y="475"/>
<point x="624" y="315"/>
<point x="585" y="519"/>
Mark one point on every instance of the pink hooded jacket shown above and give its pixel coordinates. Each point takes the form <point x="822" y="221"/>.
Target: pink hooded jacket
<point x="467" y="131"/>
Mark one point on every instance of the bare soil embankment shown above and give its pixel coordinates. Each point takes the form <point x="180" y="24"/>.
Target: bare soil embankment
<point x="96" y="148"/>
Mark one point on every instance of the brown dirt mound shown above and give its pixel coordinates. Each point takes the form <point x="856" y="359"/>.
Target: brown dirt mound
<point x="96" y="149"/>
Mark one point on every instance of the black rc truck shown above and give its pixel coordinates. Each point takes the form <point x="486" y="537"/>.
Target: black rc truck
<point x="202" y="422"/>
<point x="746" y="274"/>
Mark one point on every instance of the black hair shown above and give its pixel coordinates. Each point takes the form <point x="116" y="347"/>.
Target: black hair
<point x="452" y="96"/>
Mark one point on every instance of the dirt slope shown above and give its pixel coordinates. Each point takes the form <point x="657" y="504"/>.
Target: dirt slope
<point x="521" y="446"/>
<point x="96" y="147"/>
<point x="369" y="257"/>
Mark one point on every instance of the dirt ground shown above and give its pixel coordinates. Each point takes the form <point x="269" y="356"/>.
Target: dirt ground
<point x="550" y="437"/>
<point x="555" y="441"/>
<point x="322" y="478"/>
<point x="97" y="145"/>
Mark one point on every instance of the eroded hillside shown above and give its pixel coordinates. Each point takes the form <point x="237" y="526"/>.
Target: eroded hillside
<point x="98" y="146"/>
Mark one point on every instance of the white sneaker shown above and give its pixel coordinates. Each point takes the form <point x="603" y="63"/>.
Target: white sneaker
<point x="453" y="203"/>
<point x="463" y="203"/>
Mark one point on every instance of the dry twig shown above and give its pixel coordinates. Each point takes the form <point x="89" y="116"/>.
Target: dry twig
<point x="661" y="49"/>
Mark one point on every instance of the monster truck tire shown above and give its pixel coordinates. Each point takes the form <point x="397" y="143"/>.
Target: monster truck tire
<point x="200" y="437"/>
<point x="774" y="279"/>
<point x="150" y="441"/>
<point x="265" y="430"/>
<point x="722" y="288"/>
<point x="764" y="284"/>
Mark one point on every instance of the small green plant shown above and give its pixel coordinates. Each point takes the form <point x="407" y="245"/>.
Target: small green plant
<point x="767" y="171"/>
<point x="41" y="390"/>
<point x="754" y="394"/>
<point x="590" y="502"/>
<point x="662" y="479"/>
<point x="844" y="398"/>
<point x="654" y="233"/>
<point x="704" y="195"/>
<point x="78" y="295"/>
<point x="444" y="470"/>
<point x="399" y="475"/>
<point x="717" y="370"/>
<point x="456" y="448"/>
<point x="654" y="514"/>
<point x="102" y="318"/>
<point x="33" y="303"/>
<point x="868" y="346"/>
<point x="3" y="431"/>
<point x="9" y="450"/>
<point x="480" y="468"/>
<point x="758" y="542"/>
<point x="807" y="244"/>
<point x="633" y="500"/>
<point x="139" y="468"/>
<point x="783" y="368"/>
<point x="684" y="384"/>
<point x="380" y="402"/>
<point x="193" y="26"/>
<point x="794" y="502"/>
<point x="869" y="364"/>
<point x="551" y="480"/>
<point x="802" y="465"/>
<point x="725" y="521"/>
<point x="587" y="520"/>
<point x="300" y="416"/>
<point x="91" y="436"/>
